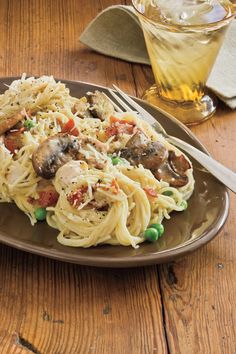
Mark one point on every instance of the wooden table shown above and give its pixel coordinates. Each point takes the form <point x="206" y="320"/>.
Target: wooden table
<point x="46" y="306"/>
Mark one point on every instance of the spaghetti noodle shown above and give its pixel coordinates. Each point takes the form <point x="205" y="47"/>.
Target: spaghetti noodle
<point x="101" y="179"/>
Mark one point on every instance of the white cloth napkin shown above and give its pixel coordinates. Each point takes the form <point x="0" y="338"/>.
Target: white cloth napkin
<point x="116" y="32"/>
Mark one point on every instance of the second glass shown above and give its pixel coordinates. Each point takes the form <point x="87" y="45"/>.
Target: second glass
<point x="183" y="39"/>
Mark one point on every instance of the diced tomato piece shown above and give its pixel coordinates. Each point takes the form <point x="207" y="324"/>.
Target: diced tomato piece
<point x="74" y="132"/>
<point x="114" y="119"/>
<point x="48" y="195"/>
<point x="48" y="198"/>
<point x="76" y="198"/>
<point x="120" y="126"/>
<point x="70" y="128"/>
<point x="150" y="192"/>
<point x="111" y="131"/>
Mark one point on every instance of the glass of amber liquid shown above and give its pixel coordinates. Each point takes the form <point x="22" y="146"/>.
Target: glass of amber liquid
<point x="183" y="38"/>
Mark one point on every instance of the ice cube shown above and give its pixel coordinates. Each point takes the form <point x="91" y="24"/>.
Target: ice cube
<point x="185" y="12"/>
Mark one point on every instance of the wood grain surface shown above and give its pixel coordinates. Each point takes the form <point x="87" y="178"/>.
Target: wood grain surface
<point x="46" y="306"/>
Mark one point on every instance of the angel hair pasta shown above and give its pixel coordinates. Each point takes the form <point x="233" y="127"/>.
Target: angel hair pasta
<point x="95" y="175"/>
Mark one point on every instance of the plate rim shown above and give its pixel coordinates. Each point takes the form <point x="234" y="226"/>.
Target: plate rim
<point x="129" y="261"/>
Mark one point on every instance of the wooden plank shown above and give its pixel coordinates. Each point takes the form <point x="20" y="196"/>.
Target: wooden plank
<point x="47" y="306"/>
<point x="54" y="307"/>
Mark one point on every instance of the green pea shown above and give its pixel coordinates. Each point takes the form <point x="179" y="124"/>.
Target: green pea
<point x="184" y="205"/>
<point x="40" y="214"/>
<point x="159" y="227"/>
<point x="115" y="160"/>
<point x="29" y="124"/>
<point x="168" y="193"/>
<point x="151" y="234"/>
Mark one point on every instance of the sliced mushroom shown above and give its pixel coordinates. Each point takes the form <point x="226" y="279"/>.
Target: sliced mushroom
<point x="167" y="174"/>
<point x="150" y="155"/>
<point x="8" y="123"/>
<point x="164" y="164"/>
<point x="53" y="153"/>
<point x="179" y="163"/>
<point x="57" y="150"/>
<point x="100" y="107"/>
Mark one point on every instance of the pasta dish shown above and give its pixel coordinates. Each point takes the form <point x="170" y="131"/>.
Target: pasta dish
<point x="95" y="175"/>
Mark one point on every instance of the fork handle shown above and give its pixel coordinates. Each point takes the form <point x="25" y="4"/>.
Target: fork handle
<point x="222" y="173"/>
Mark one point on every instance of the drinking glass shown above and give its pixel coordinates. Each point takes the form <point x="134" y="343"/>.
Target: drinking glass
<point x="183" y="38"/>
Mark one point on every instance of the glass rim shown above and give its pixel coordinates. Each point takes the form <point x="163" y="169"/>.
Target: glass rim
<point x="178" y="26"/>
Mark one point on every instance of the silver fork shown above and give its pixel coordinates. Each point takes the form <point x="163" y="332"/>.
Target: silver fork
<point x="222" y="173"/>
